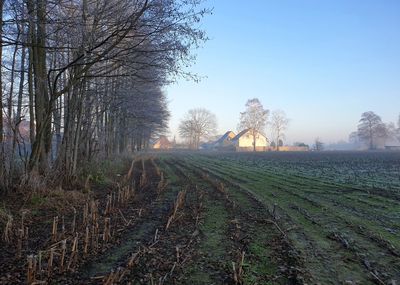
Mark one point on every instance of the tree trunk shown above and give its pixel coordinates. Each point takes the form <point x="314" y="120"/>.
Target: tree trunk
<point x="10" y="96"/>
<point x="57" y="113"/>
<point x="31" y="40"/>
<point x="371" y="134"/>
<point x="41" y="147"/>
<point x="17" y="119"/>
<point x="277" y="141"/>
<point x="21" y="85"/>
<point x="77" y="132"/>
<point x="254" y="141"/>
<point x="1" y="99"/>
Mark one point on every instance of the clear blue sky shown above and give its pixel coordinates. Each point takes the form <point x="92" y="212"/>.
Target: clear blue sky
<point x="323" y="62"/>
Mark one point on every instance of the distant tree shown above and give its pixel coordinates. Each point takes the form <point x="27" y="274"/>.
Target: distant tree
<point x="273" y="144"/>
<point x="391" y="130"/>
<point x="353" y="138"/>
<point x="254" y="118"/>
<point x="279" y="123"/>
<point x="300" y="144"/>
<point x="196" y="125"/>
<point x="371" y="129"/>
<point x="318" y="145"/>
<point x="398" y="129"/>
<point x="398" y="122"/>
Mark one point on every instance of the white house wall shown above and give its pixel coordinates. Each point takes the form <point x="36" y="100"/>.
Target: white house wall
<point x="247" y="141"/>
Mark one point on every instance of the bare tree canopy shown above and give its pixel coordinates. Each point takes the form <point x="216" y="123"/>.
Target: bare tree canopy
<point x="87" y="77"/>
<point x="371" y="129"/>
<point x="254" y="118"/>
<point x="279" y="124"/>
<point x="197" y="124"/>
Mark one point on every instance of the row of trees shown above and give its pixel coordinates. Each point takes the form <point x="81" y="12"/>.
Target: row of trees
<point x="201" y="124"/>
<point x="85" y="77"/>
<point x="373" y="133"/>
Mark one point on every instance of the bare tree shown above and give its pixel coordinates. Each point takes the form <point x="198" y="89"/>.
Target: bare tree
<point x="196" y="125"/>
<point x="279" y="123"/>
<point x="318" y="144"/>
<point x="371" y="129"/>
<point x="254" y="118"/>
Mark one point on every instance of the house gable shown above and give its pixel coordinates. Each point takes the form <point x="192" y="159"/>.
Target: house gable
<point x="245" y="139"/>
<point x="225" y="139"/>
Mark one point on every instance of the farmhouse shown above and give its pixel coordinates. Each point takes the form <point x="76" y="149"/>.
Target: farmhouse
<point x="244" y="141"/>
<point x="220" y="143"/>
<point x="225" y="140"/>
<point x="161" y="143"/>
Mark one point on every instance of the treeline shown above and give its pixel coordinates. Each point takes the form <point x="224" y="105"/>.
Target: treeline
<point x="83" y="79"/>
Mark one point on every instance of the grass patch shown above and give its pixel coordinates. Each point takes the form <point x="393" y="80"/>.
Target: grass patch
<point x="259" y="266"/>
<point x="213" y="245"/>
<point x="104" y="172"/>
<point x="214" y="227"/>
<point x="37" y="200"/>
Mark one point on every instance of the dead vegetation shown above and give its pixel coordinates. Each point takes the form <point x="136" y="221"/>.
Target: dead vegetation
<point x="85" y="230"/>
<point x="179" y="203"/>
<point x="238" y="270"/>
<point x="72" y="245"/>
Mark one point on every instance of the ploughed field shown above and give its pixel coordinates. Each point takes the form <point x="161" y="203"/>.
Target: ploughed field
<point x="336" y="215"/>
<point x="228" y="218"/>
